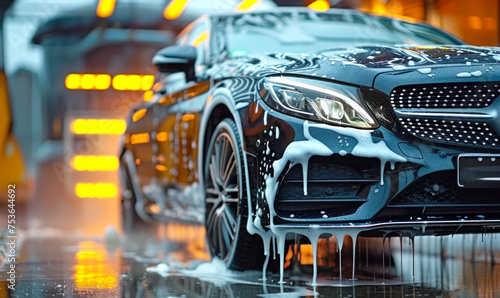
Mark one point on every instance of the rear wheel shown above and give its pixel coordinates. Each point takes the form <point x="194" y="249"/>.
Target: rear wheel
<point x="131" y="222"/>
<point x="226" y="201"/>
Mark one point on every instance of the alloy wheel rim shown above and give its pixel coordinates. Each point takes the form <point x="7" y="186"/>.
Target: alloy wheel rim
<point x="222" y="192"/>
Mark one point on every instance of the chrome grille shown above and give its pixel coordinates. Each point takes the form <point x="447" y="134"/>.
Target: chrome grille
<point x="450" y="131"/>
<point x="452" y="113"/>
<point x="445" y="96"/>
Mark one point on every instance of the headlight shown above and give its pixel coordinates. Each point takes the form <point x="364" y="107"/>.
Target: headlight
<point x="317" y="100"/>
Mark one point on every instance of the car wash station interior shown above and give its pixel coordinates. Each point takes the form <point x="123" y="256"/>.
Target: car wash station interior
<point x="79" y="88"/>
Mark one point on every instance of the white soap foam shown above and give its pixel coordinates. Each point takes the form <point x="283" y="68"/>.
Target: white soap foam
<point x="399" y="67"/>
<point x="464" y="75"/>
<point x="425" y="70"/>
<point x="299" y="152"/>
<point x="476" y="73"/>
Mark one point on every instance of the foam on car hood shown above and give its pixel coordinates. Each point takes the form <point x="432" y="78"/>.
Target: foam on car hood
<point x="361" y="65"/>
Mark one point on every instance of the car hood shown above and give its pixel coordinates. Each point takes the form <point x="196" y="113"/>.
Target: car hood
<point x="361" y="65"/>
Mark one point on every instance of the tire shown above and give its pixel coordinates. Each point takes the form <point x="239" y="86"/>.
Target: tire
<point x="131" y="221"/>
<point x="226" y="210"/>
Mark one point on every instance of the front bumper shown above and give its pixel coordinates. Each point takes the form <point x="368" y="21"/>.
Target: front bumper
<point x="407" y="179"/>
<point x="403" y="228"/>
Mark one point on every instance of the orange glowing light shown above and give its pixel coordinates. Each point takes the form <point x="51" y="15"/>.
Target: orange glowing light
<point x="246" y="5"/>
<point x="187" y="117"/>
<point x="98" y="126"/>
<point x="155" y="208"/>
<point x="94" y="269"/>
<point x="96" y="190"/>
<point x="289" y="255"/>
<point x="105" y="8"/>
<point x="199" y="39"/>
<point x="306" y="254"/>
<point x="139" y="138"/>
<point x="161" y="168"/>
<point x="162" y="136"/>
<point x="319" y="5"/>
<point x="175" y="8"/>
<point x="157" y="86"/>
<point x="138" y="115"/>
<point x="95" y="163"/>
<point x="475" y="22"/>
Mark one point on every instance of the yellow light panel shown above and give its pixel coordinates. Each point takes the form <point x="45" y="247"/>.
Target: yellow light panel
<point x="319" y="5"/>
<point x="98" y="126"/>
<point x="96" y="190"/>
<point x="134" y="82"/>
<point x="102" y="81"/>
<point x="139" y="138"/>
<point x="147" y="82"/>
<point x="95" y="163"/>
<point x="175" y="8"/>
<point x="87" y="81"/>
<point x="120" y="82"/>
<point x="246" y="5"/>
<point x="72" y="81"/>
<point x="105" y="8"/>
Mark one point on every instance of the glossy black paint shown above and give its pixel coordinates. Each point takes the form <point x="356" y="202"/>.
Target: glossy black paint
<point x="231" y="87"/>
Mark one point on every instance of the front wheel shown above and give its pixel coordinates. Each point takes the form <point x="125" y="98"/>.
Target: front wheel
<point x="226" y="201"/>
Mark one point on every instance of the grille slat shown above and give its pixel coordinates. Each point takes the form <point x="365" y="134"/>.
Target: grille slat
<point x="445" y="96"/>
<point x="441" y="188"/>
<point x="459" y="129"/>
<point x="455" y="132"/>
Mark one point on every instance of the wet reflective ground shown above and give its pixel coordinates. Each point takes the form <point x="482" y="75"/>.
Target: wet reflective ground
<point x="171" y="261"/>
<point x="67" y="247"/>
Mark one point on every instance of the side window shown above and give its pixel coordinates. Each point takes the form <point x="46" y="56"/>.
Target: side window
<point x="199" y="37"/>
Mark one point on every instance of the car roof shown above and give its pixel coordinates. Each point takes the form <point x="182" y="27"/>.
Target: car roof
<point x="301" y="9"/>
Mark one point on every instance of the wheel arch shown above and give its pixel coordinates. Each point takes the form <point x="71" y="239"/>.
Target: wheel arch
<point x="220" y="105"/>
<point x="127" y="161"/>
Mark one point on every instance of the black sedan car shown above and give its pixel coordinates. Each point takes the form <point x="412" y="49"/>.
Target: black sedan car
<point x="270" y="124"/>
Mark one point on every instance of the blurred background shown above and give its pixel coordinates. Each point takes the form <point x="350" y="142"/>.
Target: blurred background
<point x="71" y="70"/>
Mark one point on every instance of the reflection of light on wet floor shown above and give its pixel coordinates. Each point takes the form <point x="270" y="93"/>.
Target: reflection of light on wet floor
<point x="94" y="269"/>
<point x="192" y="238"/>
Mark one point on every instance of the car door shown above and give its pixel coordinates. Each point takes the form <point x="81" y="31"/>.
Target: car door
<point x="177" y="131"/>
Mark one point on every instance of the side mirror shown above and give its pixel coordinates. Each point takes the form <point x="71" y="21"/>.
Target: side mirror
<point x="176" y="59"/>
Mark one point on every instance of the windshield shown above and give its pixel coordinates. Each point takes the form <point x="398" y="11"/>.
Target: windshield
<point x="307" y="32"/>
